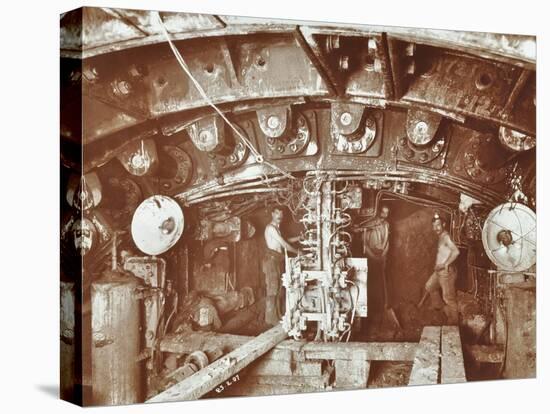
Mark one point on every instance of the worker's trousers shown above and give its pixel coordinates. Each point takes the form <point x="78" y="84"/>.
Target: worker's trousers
<point x="273" y="267"/>
<point x="446" y="281"/>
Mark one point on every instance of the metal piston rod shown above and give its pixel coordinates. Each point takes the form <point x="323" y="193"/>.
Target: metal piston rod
<point x="323" y="283"/>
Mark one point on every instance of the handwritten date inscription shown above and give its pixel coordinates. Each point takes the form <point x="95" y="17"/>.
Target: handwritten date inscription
<point x="223" y="386"/>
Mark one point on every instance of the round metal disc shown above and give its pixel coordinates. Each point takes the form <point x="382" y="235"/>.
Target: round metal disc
<point x="515" y="140"/>
<point x="157" y="224"/>
<point x="510" y="238"/>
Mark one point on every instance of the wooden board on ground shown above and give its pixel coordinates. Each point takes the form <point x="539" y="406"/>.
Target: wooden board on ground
<point x="425" y="368"/>
<point x="368" y="351"/>
<point x="291" y="380"/>
<point x="250" y="390"/>
<point x="208" y="378"/>
<point x="291" y="349"/>
<point x="187" y="342"/>
<point x="452" y="360"/>
<point x="274" y="367"/>
<point x="283" y="354"/>
<point x="351" y="374"/>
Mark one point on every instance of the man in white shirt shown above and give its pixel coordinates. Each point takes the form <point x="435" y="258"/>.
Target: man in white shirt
<point x="273" y="264"/>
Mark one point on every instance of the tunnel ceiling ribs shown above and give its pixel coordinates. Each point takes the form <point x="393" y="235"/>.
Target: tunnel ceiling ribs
<point x="180" y="131"/>
<point x="419" y="105"/>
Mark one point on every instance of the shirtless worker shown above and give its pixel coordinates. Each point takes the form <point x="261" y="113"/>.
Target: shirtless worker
<point x="444" y="275"/>
<point x="273" y="264"/>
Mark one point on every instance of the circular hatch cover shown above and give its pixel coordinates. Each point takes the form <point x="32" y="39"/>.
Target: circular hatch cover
<point x="510" y="238"/>
<point x="157" y="224"/>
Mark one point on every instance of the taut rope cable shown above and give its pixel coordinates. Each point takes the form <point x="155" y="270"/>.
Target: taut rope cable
<point x="259" y="157"/>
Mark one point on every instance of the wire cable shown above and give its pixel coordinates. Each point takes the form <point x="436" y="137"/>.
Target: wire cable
<point x="258" y="157"/>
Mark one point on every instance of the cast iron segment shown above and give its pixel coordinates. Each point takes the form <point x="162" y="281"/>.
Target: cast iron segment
<point x="139" y="28"/>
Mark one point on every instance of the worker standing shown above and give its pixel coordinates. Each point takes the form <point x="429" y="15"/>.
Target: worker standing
<point x="444" y="275"/>
<point x="273" y="264"/>
<point x="375" y="238"/>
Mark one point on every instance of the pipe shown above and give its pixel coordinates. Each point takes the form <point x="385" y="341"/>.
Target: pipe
<point x="237" y="192"/>
<point x="228" y="182"/>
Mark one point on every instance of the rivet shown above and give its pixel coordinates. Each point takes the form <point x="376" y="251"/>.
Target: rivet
<point x="346" y="118"/>
<point x="273" y="122"/>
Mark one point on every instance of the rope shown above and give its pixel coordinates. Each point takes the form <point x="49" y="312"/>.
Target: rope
<point x="258" y="157"/>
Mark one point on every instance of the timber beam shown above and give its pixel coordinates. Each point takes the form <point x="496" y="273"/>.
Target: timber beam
<point x="205" y="380"/>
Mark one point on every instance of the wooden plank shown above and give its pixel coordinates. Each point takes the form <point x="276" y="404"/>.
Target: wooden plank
<point x="351" y="374"/>
<point x="425" y="368"/>
<point x="289" y="350"/>
<point x="452" y="360"/>
<point x="208" y="378"/>
<point x="308" y="368"/>
<point x="269" y="367"/>
<point x="369" y="351"/>
<point x="274" y="367"/>
<point x="250" y="390"/>
<point x="373" y="351"/>
<point x="187" y="342"/>
<point x="277" y="385"/>
<point x="279" y="355"/>
<point x="292" y="344"/>
<point x="291" y="380"/>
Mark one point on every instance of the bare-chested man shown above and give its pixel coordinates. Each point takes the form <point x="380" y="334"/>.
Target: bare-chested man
<point x="273" y="264"/>
<point x="444" y="275"/>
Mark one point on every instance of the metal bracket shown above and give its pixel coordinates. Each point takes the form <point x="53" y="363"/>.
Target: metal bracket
<point x="208" y="134"/>
<point x="274" y="121"/>
<point x="352" y="131"/>
<point x="288" y="132"/>
<point x="422" y="126"/>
